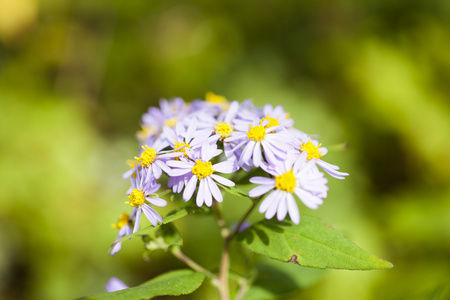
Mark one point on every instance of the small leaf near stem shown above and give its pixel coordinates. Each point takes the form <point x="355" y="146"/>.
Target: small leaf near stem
<point x="159" y="195"/>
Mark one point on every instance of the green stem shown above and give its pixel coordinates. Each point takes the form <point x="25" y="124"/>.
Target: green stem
<point x="243" y="286"/>
<point x="192" y="264"/>
<point x="225" y="260"/>
<point x="247" y="214"/>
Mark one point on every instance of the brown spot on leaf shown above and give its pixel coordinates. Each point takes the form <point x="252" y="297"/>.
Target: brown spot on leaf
<point x="331" y="227"/>
<point x="293" y="259"/>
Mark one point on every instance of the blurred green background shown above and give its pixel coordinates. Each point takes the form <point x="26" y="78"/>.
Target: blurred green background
<point x="76" y="76"/>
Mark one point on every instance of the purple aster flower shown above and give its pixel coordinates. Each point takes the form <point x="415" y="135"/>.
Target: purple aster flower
<point x="222" y="127"/>
<point x="169" y="113"/>
<point x="181" y="138"/>
<point x="293" y="176"/>
<point x="115" y="284"/>
<point x="213" y="106"/>
<point x="273" y="140"/>
<point x="142" y="187"/>
<point x="152" y="159"/>
<point x="314" y="152"/>
<point x="124" y="229"/>
<point x="203" y="171"/>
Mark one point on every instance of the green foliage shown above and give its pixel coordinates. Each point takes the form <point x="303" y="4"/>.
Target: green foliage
<point x="165" y="237"/>
<point x="441" y="292"/>
<point x="374" y="73"/>
<point x="232" y="190"/>
<point x="275" y="278"/>
<point x="172" y="216"/>
<point x="175" y="283"/>
<point x="312" y="243"/>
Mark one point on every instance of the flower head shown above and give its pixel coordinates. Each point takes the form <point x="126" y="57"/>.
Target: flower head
<point x="272" y="139"/>
<point x="168" y="114"/>
<point x="139" y="195"/>
<point x="152" y="159"/>
<point x="292" y="176"/>
<point x="314" y="152"/>
<point x="201" y="170"/>
<point x="123" y="225"/>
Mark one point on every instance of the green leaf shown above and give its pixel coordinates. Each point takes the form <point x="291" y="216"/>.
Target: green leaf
<point x="312" y="243"/>
<point x="161" y="194"/>
<point x="275" y="278"/>
<point x="175" y="283"/>
<point x="165" y="237"/>
<point x="234" y="191"/>
<point x="182" y="212"/>
<point x="172" y="216"/>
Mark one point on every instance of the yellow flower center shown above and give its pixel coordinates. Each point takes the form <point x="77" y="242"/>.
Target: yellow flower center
<point x="123" y="220"/>
<point x="171" y="122"/>
<point x="132" y="163"/>
<point x="313" y="151"/>
<point x="202" y="169"/>
<point x="286" y="182"/>
<point x="147" y="157"/>
<point x="224" y="129"/>
<point x="145" y="132"/>
<point x="137" y="198"/>
<point x="272" y="122"/>
<point x="178" y="145"/>
<point x="211" y="97"/>
<point x="256" y="133"/>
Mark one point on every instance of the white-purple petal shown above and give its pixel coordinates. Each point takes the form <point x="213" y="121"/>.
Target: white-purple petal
<point x="207" y="193"/>
<point x="190" y="188"/>
<point x="179" y="172"/>
<point x="267" y="202"/>
<point x="200" y="194"/>
<point x="260" y="190"/>
<point x="137" y="220"/>
<point x="248" y="152"/>
<point x="222" y="180"/>
<point x="156" y="201"/>
<point x="262" y="180"/>
<point x="282" y="207"/>
<point x="149" y="213"/>
<point x="215" y="191"/>
<point x="257" y="156"/>
<point x="225" y="167"/>
<point x="293" y="209"/>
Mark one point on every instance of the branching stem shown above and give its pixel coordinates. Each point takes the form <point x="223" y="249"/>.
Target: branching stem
<point x="225" y="260"/>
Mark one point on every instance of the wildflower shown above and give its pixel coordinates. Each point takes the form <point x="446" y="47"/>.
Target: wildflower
<point x="181" y="138"/>
<point x="153" y="159"/>
<point x="202" y="170"/>
<point x="123" y="225"/>
<point x="169" y="113"/>
<point x="292" y="176"/>
<point x="222" y="127"/>
<point x="273" y="140"/>
<point x="217" y="100"/>
<point x="139" y="194"/>
<point x="314" y="153"/>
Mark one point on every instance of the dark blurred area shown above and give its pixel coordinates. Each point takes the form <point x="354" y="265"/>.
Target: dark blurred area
<point x="76" y="76"/>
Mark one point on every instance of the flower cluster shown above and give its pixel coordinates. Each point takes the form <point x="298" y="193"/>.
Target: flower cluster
<point x="195" y="143"/>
